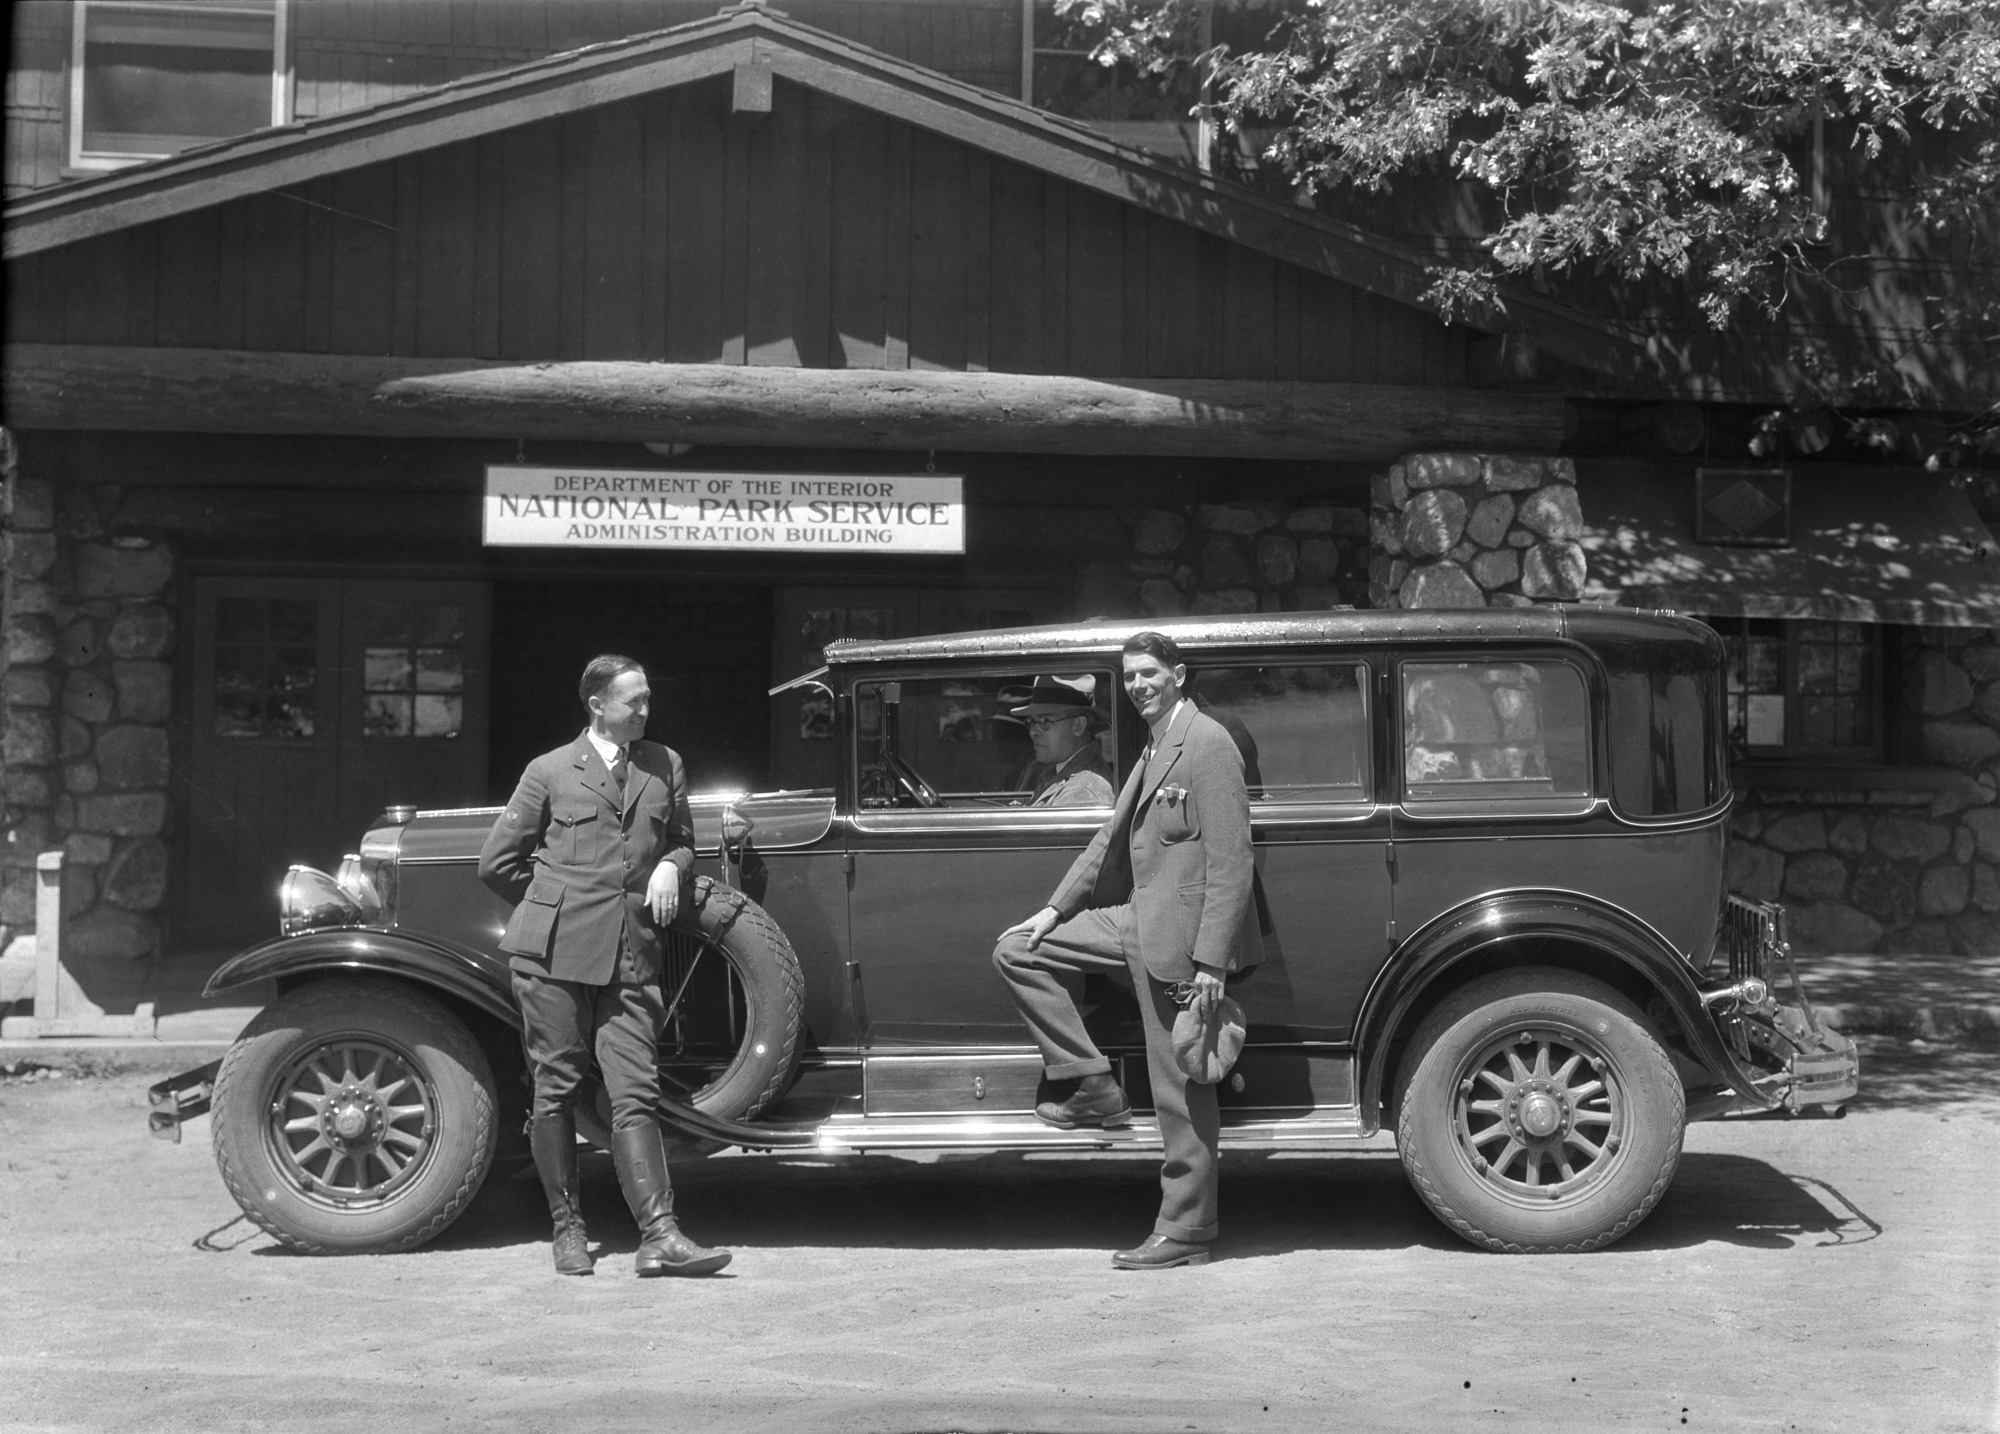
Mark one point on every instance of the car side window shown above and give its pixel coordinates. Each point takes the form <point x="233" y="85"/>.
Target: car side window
<point x="955" y="741"/>
<point x="1494" y="731"/>
<point x="1303" y="731"/>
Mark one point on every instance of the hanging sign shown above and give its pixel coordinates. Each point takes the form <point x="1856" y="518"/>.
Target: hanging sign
<point x="530" y="507"/>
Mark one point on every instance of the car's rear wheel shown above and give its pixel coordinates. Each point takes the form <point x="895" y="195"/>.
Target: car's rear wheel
<point x="1539" y="1112"/>
<point x="354" y="1116"/>
<point x="735" y="1003"/>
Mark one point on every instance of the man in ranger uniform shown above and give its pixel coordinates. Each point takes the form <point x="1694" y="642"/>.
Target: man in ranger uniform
<point x="594" y="850"/>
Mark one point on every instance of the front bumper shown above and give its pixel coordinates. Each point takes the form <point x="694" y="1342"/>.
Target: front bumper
<point x="1796" y="1061"/>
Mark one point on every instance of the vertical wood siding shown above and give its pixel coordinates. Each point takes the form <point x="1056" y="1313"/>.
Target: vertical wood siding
<point x="658" y="228"/>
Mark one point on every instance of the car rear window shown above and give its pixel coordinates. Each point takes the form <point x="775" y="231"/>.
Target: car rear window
<point x="1666" y="740"/>
<point x="1494" y="731"/>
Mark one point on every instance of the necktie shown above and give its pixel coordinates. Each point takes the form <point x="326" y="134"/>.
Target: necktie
<point x="619" y="767"/>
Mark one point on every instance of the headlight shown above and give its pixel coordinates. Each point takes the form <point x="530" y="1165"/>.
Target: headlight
<point x="310" y="899"/>
<point x="357" y="884"/>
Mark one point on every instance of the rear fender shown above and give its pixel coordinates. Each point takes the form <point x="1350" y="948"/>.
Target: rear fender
<point x="1425" y="963"/>
<point x="482" y="981"/>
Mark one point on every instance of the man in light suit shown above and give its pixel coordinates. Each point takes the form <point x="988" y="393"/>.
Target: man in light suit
<point x="1162" y="891"/>
<point x="595" y="849"/>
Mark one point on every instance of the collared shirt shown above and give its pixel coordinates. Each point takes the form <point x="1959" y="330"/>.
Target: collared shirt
<point x="1166" y="728"/>
<point x="609" y="750"/>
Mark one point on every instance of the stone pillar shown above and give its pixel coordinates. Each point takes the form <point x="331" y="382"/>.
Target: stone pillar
<point x="86" y="685"/>
<point x="1474" y="530"/>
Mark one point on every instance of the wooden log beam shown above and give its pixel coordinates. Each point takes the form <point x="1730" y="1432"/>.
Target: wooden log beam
<point x="231" y="391"/>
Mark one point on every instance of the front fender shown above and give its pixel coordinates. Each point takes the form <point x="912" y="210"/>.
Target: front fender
<point x="482" y="981"/>
<point x="1478" y="926"/>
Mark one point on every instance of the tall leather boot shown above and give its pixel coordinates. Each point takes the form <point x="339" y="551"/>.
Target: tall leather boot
<point x="552" y="1138"/>
<point x="641" y="1158"/>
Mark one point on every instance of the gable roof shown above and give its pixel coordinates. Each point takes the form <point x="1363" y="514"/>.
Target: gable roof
<point x="749" y="35"/>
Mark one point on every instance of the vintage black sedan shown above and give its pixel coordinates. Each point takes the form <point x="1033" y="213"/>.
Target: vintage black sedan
<point x="1490" y="849"/>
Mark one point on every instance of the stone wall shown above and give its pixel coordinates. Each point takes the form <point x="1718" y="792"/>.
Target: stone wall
<point x="1909" y="867"/>
<point x="86" y="683"/>
<point x="1475" y="530"/>
<point x="1281" y="556"/>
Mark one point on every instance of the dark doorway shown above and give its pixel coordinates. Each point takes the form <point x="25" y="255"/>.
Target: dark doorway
<point x="706" y="651"/>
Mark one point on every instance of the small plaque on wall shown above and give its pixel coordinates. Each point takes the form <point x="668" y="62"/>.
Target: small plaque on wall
<point x="1745" y="507"/>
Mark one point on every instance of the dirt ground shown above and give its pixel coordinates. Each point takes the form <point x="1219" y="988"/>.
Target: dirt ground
<point x="1805" y="1275"/>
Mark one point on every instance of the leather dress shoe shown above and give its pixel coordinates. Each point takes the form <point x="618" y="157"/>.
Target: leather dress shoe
<point x="1162" y="1252"/>
<point x="1110" y="1111"/>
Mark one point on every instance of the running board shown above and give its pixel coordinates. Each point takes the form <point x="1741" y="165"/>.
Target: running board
<point x="853" y="1134"/>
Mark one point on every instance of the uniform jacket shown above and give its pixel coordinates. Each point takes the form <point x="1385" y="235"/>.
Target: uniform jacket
<point x="1177" y="850"/>
<point x="576" y="861"/>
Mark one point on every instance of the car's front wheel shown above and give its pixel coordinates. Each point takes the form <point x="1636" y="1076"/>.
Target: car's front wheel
<point x="1539" y="1112"/>
<point x="354" y="1116"/>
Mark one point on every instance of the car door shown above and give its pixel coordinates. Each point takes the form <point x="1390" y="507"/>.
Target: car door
<point x="1305" y="727"/>
<point x="934" y="885"/>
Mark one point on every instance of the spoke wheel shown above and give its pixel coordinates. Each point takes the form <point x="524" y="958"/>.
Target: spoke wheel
<point x="702" y="1040"/>
<point x="354" y="1121"/>
<point x="354" y="1116"/>
<point x="1538" y="1114"/>
<point x="1537" y="1111"/>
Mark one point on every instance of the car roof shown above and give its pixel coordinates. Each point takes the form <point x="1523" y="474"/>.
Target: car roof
<point x="1591" y="625"/>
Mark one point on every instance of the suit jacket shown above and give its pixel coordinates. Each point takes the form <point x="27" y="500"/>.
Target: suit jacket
<point x="1083" y="780"/>
<point x="575" y="860"/>
<point x="1177" y="852"/>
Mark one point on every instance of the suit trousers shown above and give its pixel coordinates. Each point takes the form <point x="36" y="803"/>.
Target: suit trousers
<point x="565" y="1023"/>
<point x="1190" y="1119"/>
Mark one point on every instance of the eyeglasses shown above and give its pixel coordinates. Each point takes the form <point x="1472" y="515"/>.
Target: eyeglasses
<point x="1042" y="724"/>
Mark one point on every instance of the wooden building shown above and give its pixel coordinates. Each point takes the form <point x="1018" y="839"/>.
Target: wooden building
<point x="254" y="388"/>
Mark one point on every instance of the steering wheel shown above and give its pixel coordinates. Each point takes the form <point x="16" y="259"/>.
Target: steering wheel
<point x="913" y="786"/>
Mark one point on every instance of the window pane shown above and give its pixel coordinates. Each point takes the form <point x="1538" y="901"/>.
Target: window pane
<point x="437" y="716"/>
<point x="294" y="622"/>
<point x="159" y="78"/>
<point x="1764" y="724"/>
<point x="440" y="669"/>
<point x="387" y="624"/>
<point x="239" y="620"/>
<point x="239" y="715"/>
<point x="1302" y="730"/>
<point x="1480" y="731"/>
<point x="386" y="669"/>
<point x="384" y="715"/>
<point x="440" y="622"/>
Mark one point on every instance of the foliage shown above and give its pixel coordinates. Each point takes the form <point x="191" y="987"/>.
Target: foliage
<point x="1634" y="138"/>
<point x="1636" y="141"/>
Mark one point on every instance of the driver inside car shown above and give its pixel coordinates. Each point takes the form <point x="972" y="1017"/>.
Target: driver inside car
<point x="1063" y="722"/>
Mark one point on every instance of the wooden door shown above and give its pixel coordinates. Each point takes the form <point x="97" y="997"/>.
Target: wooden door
<point x="265" y="755"/>
<point x="317" y="702"/>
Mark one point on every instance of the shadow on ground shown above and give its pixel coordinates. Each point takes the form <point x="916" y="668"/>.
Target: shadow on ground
<point x="1272" y="1206"/>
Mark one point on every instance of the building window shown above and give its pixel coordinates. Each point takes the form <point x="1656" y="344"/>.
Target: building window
<point x="266" y="667"/>
<point x="1803" y="689"/>
<point x="150" y="78"/>
<point x="413" y="669"/>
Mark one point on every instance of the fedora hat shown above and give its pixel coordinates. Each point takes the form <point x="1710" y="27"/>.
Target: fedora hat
<point x="1206" y="1049"/>
<point x="1063" y="697"/>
